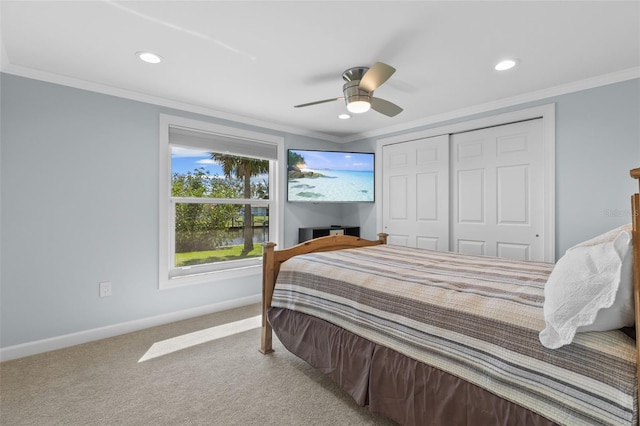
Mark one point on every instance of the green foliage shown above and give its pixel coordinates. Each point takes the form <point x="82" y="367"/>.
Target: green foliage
<point x="202" y="226"/>
<point x="242" y="168"/>
<point x="200" y="183"/>
<point x="295" y="159"/>
<point x="205" y="226"/>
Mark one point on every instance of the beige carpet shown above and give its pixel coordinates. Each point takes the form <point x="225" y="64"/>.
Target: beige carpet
<point x="224" y="381"/>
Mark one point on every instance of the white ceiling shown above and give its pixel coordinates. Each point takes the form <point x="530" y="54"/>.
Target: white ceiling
<point x="255" y="60"/>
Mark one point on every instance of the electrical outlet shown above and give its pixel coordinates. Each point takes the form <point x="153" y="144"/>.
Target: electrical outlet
<point x="106" y="289"/>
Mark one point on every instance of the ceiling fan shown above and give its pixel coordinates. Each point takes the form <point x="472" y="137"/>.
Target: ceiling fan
<point x="359" y="87"/>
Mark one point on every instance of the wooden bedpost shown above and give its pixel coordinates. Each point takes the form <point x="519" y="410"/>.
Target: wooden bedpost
<point x="635" y="235"/>
<point x="268" y="283"/>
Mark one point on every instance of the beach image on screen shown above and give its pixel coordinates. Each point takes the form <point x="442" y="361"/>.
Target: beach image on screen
<point x="330" y="176"/>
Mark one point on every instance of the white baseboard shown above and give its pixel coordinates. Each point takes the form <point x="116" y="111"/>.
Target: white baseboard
<point x="64" y="341"/>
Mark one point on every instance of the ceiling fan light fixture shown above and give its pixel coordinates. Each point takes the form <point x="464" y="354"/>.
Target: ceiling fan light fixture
<point x="358" y="106"/>
<point x="360" y="82"/>
<point x="357" y="100"/>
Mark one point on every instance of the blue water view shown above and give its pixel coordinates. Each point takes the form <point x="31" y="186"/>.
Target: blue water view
<point x="335" y="186"/>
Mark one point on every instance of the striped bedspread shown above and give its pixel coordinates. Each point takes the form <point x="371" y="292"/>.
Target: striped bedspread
<point x="475" y="317"/>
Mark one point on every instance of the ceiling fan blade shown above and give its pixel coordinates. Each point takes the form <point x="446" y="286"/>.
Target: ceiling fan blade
<point x="385" y="107"/>
<point x="375" y="76"/>
<point x="319" y="102"/>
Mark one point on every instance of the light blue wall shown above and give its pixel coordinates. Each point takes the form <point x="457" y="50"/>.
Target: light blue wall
<point x="79" y="180"/>
<point x="597" y="143"/>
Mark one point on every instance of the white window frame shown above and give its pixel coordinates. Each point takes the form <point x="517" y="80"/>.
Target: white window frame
<point x="170" y="277"/>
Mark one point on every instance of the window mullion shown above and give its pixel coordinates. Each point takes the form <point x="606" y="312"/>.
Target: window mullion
<point x="258" y="202"/>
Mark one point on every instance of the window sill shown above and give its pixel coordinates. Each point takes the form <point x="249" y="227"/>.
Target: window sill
<point x="210" y="277"/>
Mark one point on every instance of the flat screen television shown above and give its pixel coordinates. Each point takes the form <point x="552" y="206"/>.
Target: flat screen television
<point x="316" y="176"/>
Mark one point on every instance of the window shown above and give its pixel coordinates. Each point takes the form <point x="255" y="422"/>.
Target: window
<point x="218" y="200"/>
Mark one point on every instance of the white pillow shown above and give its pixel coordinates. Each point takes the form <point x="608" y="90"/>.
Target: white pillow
<point x="590" y="289"/>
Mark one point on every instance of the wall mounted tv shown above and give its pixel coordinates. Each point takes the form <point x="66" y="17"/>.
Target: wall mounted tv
<point x="330" y="176"/>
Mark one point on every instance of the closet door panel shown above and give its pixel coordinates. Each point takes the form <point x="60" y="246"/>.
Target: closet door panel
<point x="477" y="248"/>
<point x="514" y="251"/>
<point x="398" y="198"/>
<point x="427" y="196"/>
<point x="513" y="195"/>
<point x="471" y="196"/>
<point x="415" y="193"/>
<point x="498" y="196"/>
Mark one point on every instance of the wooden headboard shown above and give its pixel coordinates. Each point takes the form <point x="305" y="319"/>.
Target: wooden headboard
<point x="272" y="259"/>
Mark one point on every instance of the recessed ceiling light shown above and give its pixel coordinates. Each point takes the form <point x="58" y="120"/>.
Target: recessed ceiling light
<point x="507" y="64"/>
<point x="149" y="57"/>
<point x="344" y="116"/>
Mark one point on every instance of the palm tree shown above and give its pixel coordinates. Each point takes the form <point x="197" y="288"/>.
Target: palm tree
<point x="243" y="168"/>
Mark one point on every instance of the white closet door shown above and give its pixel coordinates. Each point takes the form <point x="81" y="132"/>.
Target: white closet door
<point x="415" y="193"/>
<point x="498" y="191"/>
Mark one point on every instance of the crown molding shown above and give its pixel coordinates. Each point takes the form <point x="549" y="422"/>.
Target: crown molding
<point x="576" y="86"/>
<point x="76" y="83"/>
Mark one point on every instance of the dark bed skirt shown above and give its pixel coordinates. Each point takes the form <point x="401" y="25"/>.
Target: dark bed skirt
<point x="394" y="385"/>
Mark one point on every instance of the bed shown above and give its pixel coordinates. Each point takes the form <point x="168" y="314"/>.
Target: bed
<point x="439" y="338"/>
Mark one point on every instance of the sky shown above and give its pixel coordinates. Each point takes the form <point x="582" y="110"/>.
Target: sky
<point x="186" y="160"/>
<point x="330" y="160"/>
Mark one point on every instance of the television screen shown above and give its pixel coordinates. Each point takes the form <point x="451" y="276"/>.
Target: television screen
<point x="330" y="176"/>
